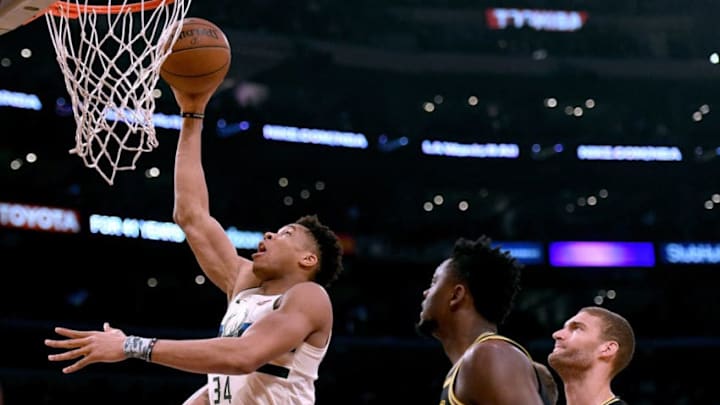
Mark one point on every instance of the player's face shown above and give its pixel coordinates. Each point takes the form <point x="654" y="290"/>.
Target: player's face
<point x="577" y="344"/>
<point x="282" y="250"/>
<point x="432" y="305"/>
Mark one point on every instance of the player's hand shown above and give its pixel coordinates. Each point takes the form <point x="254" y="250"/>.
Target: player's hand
<point x="192" y="102"/>
<point x="88" y="347"/>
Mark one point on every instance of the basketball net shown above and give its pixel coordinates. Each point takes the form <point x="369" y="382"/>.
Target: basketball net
<point x="110" y="57"/>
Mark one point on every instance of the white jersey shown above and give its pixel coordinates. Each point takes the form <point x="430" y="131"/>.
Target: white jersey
<point x="287" y="380"/>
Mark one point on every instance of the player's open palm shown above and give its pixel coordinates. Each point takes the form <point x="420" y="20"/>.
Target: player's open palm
<point x="88" y="347"/>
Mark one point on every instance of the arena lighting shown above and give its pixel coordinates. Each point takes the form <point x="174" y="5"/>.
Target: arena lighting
<point x="706" y="155"/>
<point x="540" y="152"/>
<point x="601" y="254"/>
<point x="690" y="253"/>
<point x="20" y="100"/>
<point x="540" y="20"/>
<point x="314" y="136"/>
<point x="525" y="252"/>
<point x="161" y="231"/>
<point x="171" y="121"/>
<point x="160" y="120"/>
<point x="226" y="129"/>
<point x="386" y="144"/>
<point x="626" y="152"/>
<point x="39" y="218"/>
<point x="475" y="150"/>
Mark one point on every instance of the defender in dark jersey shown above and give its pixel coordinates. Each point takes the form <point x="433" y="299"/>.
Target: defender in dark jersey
<point x="590" y="350"/>
<point x="470" y="295"/>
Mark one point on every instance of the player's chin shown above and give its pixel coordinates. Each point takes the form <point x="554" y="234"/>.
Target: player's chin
<point x="555" y="360"/>
<point x="555" y="357"/>
<point x="422" y="317"/>
<point x="425" y="327"/>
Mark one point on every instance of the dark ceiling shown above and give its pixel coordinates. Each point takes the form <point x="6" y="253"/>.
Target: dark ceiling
<point x="369" y="67"/>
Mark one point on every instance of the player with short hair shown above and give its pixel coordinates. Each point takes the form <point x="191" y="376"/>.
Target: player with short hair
<point x="470" y="295"/>
<point x="278" y="323"/>
<point x="590" y="350"/>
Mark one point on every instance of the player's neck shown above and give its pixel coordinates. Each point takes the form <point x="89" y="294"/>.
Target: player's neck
<point x="277" y="286"/>
<point x="587" y="390"/>
<point x="463" y="333"/>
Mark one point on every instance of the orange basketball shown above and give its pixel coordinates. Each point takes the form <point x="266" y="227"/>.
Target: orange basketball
<point x="200" y="57"/>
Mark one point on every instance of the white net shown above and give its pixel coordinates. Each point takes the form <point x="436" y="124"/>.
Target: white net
<point x="110" y="57"/>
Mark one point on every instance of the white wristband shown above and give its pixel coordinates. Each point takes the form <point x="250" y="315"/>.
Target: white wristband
<point x="136" y="347"/>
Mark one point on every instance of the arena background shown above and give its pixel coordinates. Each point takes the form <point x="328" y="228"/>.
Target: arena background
<point x="403" y="75"/>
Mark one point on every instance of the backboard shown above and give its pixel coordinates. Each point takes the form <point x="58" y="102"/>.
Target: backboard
<point x="14" y="13"/>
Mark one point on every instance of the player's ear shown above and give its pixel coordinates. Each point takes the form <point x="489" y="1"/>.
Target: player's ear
<point x="458" y="293"/>
<point x="309" y="259"/>
<point x="609" y="348"/>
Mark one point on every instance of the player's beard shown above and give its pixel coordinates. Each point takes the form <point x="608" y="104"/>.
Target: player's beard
<point x="570" y="361"/>
<point x="426" y="327"/>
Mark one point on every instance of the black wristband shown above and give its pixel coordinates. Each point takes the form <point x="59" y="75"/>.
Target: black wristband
<point x="150" y="350"/>
<point x="198" y="116"/>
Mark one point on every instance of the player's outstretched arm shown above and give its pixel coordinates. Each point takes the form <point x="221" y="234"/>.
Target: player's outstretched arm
<point x="211" y="245"/>
<point x="305" y="310"/>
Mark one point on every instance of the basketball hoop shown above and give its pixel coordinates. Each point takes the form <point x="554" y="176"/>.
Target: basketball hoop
<point x="110" y="57"/>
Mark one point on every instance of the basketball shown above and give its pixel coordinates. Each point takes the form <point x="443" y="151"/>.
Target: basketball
<point x="200" y="57"/>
